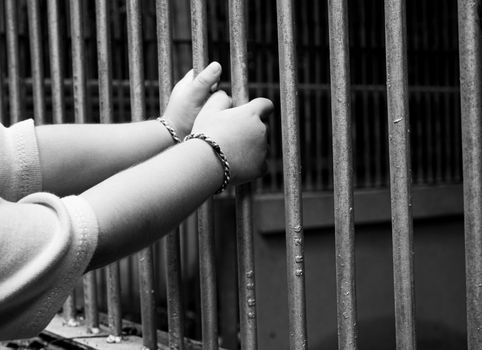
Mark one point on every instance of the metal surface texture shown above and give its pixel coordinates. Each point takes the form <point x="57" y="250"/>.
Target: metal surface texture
<point x="244" y="193"/>
<point x="36" y="54"/>
<point x="91" y="312"/>
<point x="207" y="268"/>
<point x="175" y="310"/>
<point x="104" y="62"/>
<point x="80" y="112"/>
<point x="342" y="174"/>
<point x="471" y="107"/>
<point x="138" y="112"/>
<point x="13" y="61"/>
<point x="55" y="55"/>
<point x="292" y="175"/>
<point x="400" y="173"/>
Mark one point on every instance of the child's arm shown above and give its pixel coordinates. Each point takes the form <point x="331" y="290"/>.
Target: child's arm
<point x="76" y="157"/>
<point x="139" y="205"/>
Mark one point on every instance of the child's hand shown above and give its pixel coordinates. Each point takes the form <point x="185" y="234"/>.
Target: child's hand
<point x="240" y="132"/>
<point x="188" y="97"/>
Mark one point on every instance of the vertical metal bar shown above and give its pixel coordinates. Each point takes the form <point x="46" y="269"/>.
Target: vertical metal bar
<point x="342" y="173"/>
<point x="80" y="110"/>
<point x="14" y="89"/>
<point x="172" y="247"/>
<point x="138" y="111"/>
<point x="58" y="105"/>
<point x="104" y="62"/>
<point x="35" y="37"/>
<point x="56" y="59"/>
<point x="471" y="107"/>
<point x="244" y="193"/>
<point x="207" y="267"/>
<point x="400" y="172"/>
<point x="292" y="179"/>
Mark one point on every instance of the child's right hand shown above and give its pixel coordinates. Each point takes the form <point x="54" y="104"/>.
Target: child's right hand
<point x="240" y="132"/>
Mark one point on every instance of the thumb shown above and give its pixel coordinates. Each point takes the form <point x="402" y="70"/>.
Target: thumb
<point x="261" y="107"/>
<point x="208" y="77"/>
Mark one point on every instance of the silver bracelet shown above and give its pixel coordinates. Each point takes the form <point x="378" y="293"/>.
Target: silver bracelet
<point x="219" y="154"/>
<point x="169" y="129"/>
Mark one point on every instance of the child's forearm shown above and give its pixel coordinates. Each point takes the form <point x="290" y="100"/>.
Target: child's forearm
<point x="141" y="204"/>
<point x="73" y="158"/>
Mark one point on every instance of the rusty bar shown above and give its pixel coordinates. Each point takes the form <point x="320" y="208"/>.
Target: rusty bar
<point x="80" y="111"/>
<point x="56" y="59"/>
<point x="175" y="310"/>
<point x="400" y="172"/>
<point x="35" y="38"/>
<point x="342" y="173"/>
<point x="205" y="213"/>
<point x="244" y="193"/>
<point x="14" y="88"/>
<point x="104" y="62"/>
<point x="138" y="112"/>
<point x="471" y="107"/>
<point x="292" y="178"/>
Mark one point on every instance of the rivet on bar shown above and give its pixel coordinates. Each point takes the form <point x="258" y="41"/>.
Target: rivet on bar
<point x="471" y="107"/>
<point x="175" y="310"/>
<point x="342" y="173"/>
<point x="400" y="172"/>
<point x="14" y="89"/>
<point x="138" y="112"/>
<point x="104" y="61"/>
<point x="35" y="38"/>
<point x="292" y="179"/>
<point x="244" y="193"/>
<point x="80" y="110"/>
<point x="207" y="268"/>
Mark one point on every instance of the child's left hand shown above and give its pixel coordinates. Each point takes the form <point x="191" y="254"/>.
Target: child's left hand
<point x="188" y="97"/>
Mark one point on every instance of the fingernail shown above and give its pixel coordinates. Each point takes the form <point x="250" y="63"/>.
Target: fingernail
<point x="214" y="87"/>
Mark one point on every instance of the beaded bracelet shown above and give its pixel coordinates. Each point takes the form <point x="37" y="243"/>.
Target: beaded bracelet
<point x="219" y="154"/>
<point x="169" y="129"/>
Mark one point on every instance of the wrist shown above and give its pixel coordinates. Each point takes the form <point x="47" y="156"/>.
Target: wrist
<point x="181" y="130"/>
<point x="216" y="150"/>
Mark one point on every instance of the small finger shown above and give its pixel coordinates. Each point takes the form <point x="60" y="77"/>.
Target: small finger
<point x="218" y="101"/>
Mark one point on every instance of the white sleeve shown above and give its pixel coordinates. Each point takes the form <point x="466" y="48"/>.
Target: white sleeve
<point x="19" y="161"/>
<point x="46" y="244"/>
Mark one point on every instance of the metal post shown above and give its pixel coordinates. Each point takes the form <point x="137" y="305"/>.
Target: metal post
<point x="14" y="89"/>
<point x="80" y="109"/>
<point x="35" y="35"/>
<point x="138" y="111"/>
<point x="400" y="172"/>
<point x="56" y="59"/>
<point x="175" y="310"/>
<point x="207" y="267"/>
<point x="342" y="173"/>
<point x="244" y="193"/>
<point x="292" y="178"/>
<point x="104" y="61"/>
<point x="471" y="107"/>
